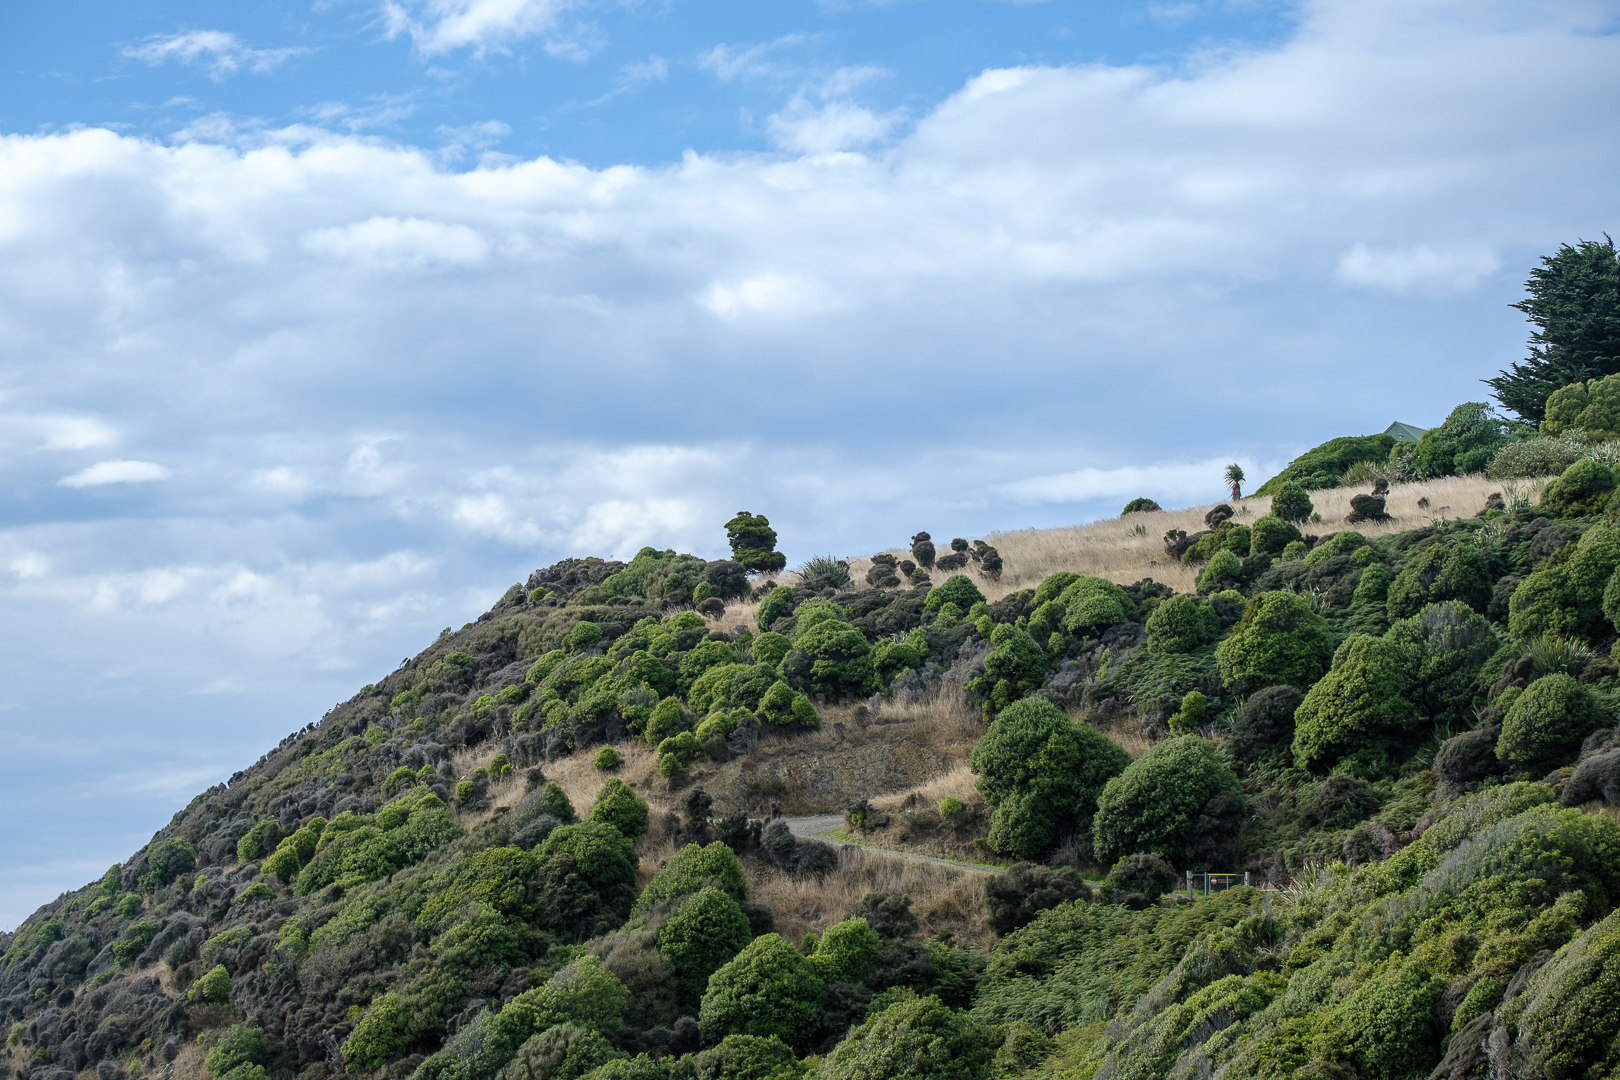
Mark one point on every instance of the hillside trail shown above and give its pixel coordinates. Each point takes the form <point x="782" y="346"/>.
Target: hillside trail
<point x="822" y="826"/>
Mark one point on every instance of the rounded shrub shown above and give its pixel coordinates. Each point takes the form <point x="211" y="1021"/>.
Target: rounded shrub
<point x="768" y="989"/>
<point x="1568" y="1018"/>
<point x="957" y="589"/>
<point x="1222" y="572"/>
<point x="1191" y="714"/>
<point x="1181" y="624"/>
<point x="1279" y="641"/>
<point x="1042" y="773"/>
<point x="693" y="868"/>
<point x="584" y="636"/>
<point x="846" y="951"/>
<point x="1265" y="724"/>
<point x="768" y="649"/>
<point x="1015" y="665"/>
<point x="213" y="988"/>
<point x="1092" y="604"/>
<point x="831" y="660"/>
<point x="1545" y="727"/>
<point x="606" y="758"/>
<point x="1137" y="506"/>
<point x="1178" y="800"/>
<point x="1271" y="534"/>
<point x="618" y="805"/>
<point x="603" y="858"/>
<point x="561" y="1052"/>
<point x="1442" y="572"/>
<point x="705" y="933"/>
<point x="238" y="1045"/>
<point x="1139" y="880"/>
<point x="1292" y="504"/>
<point x="916" y="1038"/>
<point x="1358" y="706"/>
<point x="1581" y="490"/>
<point x="1451" y="646"/>
<point x="1565" y="597"/>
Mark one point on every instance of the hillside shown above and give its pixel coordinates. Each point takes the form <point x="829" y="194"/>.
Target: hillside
<point x="550" y="846"/>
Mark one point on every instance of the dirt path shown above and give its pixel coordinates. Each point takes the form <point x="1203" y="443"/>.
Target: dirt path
<point x="822" y="826"/>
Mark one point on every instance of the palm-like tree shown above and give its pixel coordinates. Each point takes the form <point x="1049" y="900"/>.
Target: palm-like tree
<point x="1234" y="476"/>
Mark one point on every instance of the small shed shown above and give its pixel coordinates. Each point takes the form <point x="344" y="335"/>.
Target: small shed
<point x="1405" y="432"/>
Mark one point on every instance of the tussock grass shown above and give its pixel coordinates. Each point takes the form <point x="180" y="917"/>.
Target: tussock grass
<point x="945" y="900"/>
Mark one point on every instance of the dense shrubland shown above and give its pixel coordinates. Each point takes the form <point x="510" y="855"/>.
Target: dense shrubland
<point x="1407" y="735"/>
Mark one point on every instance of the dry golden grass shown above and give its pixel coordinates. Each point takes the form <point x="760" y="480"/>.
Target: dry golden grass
<point x="945" y="900"/>
<point x="958" y="784"/>
<point x="1129" y="549"/>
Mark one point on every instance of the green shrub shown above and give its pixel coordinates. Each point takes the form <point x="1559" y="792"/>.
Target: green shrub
<point x="1582" y="490"/>
<point x="238" y="1045"/>
<point x="1265" y="724"/>
<point x="957" y="589"/>
<point x="1441" y="572"/>
<point x="914" y="1039"/>
<point x="259" y="890"/>
<point x="1590" y="408"/>
<point x="769" y="989"/>
<point x="1271" y="534"/>
<point x="136" y="937"/>
<point x="1324" y="466"/>
<point x="768" y="649"/>
<point x="1362" y="702"/>
<point x="1545" y="727"/>
<point x="1565" y="597"/>
<point x="1222" y="572"/>
<point x="1014" y="666"/>
<point x="618" y="805"/>
<point x="1093" y="604"/>
<point x="606" y="758"/>
<point x="1386" y="1023"/>
<point x="1463" y="444"/>
<point x="1292" y="504"/>
<point x="583" y="637"/>
<point x="1568" y="1019"/>
<point x="694" y="868"/>
<point x="127" y="905"/>
<point x="466" y="794"/>
<point x="1177" y="800"/>
<point x="730" y="686"/>
<point x="1191" y="714"/>
<point x="1340" y="543"/>
<point x="1140" y="506"/>
<point x="1042" y="773"/>
<point x="846" y="950"/>
<point x="583" y="993"/>
<point x="1295" y="550"/>
<point x="950" y="806"/>
<point x="1279" y="640"/>
<point x="1014" y="899"/>
<point x="775" y="605"/>
<point x="1526" y="458"/>
<point x="1451" y="645"/>
<point x="831" y="660"/>
<point x="1138" y="880"/>
<point x="561" y="1052"/>
<point x="668" y="717"/>
<point x="1181" y="624"/>
<point x="782" y="705"/>
<point x="603" y="858"/>
<point x="753" y="543"/>
<point x="261" y="840"/>
<point x="707" y="931"/>
<point x="167" y="860"/>
<point x="214" y="988"/>
<point x="1373" y="585"/>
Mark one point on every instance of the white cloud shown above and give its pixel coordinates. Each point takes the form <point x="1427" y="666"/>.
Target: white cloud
<point x="56" y="431"/>
<point x="115" y="472"/>
<point x="219" y="53"/>
<point x="729" y="63"/>
<point x="390" y="243"/>
<point x="441" y="26"/>
<point x="1417" y="269"/>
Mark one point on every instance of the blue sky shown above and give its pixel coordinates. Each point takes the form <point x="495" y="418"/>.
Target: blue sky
<point x="323" y="324"/>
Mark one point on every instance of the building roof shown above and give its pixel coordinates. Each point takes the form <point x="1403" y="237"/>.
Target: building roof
<point x="1405" y="432"/>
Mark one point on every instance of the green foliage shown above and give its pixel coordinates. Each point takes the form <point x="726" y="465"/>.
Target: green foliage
<point x="1385" y="1026"/>
<point x="1324" y="466"/>
<point x="753" y="542"/>
<point x="584" y="636"/>
<point x="769" y="989"/>
<point x="1564" y="598"/>
<point x="775" y="605"/>
<point x="1291" y="503"/>
<point x="768" y="649"/>
<point x="667" y="718"/>
<point x="1568" y="1019"/>
<point x="1574" y="303"/>
<point x="259" y="841"/>
<point x="705" y="933"/>
<point x="294" y="851"/>
<point x="783" y="705"/>
<point x="730" y="686"/>
<point x="1221" y="573"/>
<point x="1582" y="490"/>
<point x="1015" y="665"/>
<point x="561" y="1052"/>
<point x="1265" y="724"/>
<point x="1271" y="534"/>
<point x="213" y="988"/>
<point x="1451" y="646"/>
<point x="1279" y="641"/>
<point x="915" y="1039"/>
<point x="1590" y="408"/>
<point x="1190" y="716"/>
<point x="831" y="660"/>
<point x="166" y="861"/>
<point x="603" y="858"/>
<point x="556" y="803"/>
<point x="1546" y="725"/>
<point x="1340" y="543"/>
<point x="1093" y="604"/>
<point x="1362" y="702"/>
<point x="134" y="940"/>
<point x="237" y="1045"/>
<point x="1178" y="800"/>
<point x="1042" y="773"/>
<point x="618" y="805"/>
<point x="957" y="589"/>
<point x="1464" y="444"/>
<point x="1140" y="506"/>
<point x="846" y="951"/>
<point x="1027" y="889"/>
<point x="1181" y="624"/>
<point x="694" y="868"/>
<point x="606" y="759"/>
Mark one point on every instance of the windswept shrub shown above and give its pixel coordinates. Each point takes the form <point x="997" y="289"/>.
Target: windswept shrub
<point x="846" y="950"/>
<point x="1279" y="641"/>
<point x="957" y="589"/>
<point x="1598" y="777"/>
<point x="1360" y="707"/>
<point x="1588" y="407"/>
<point x="831" y="660"/>
<point x="1567" y="1021"/>
<point x="1042" y="773"/>
<point x="1450" y="646"/>
<point x="1177" y="800"/>
<point x="213" y="988"/>
<point x="1547" y="724"/>
<point x="238" y="1045"/>
<point x="561" y="1052"/>
<point x="1526" y="458"/>
<point x="1181" y="624"/>
<point x="753" y="543"/>
<point x="1463" y="444"/>
<point x="769" y="989"/>
<point x="693" y="868"/>
<point x="166" y="861"/>
<point x="1140" y="506"/>
<point x="1014" y="666"/>
<point x="1565" y="596"/>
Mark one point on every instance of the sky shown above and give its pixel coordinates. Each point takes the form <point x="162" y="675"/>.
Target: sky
<point x="323" y="323"/>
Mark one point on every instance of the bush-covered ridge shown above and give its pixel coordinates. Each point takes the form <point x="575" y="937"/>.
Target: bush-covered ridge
<point x="1414" y="734"/>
